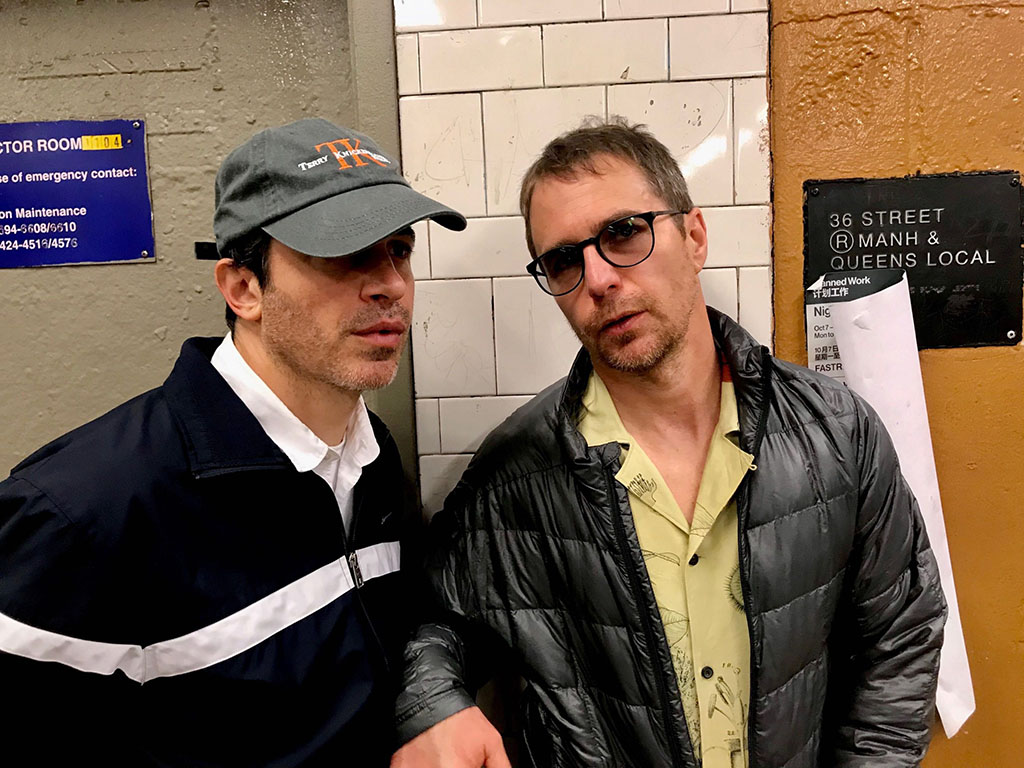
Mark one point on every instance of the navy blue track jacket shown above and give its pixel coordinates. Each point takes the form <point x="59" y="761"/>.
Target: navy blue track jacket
<point x="173" y="592"/>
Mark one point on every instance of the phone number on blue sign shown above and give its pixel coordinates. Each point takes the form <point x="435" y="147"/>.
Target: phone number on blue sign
<point x="39" y="228"/>
<point x="39" y="244"/>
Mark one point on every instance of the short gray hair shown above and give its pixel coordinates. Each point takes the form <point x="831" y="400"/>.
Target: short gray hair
<point x="577" y="150"/>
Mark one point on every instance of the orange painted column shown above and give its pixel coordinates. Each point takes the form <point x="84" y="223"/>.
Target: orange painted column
<point x="883" y="88"/>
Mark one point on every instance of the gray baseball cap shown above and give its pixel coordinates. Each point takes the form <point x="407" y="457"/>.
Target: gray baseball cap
<point x="319" y="188"/>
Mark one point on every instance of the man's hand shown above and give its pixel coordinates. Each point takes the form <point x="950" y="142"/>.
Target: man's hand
<point x="464" y="740"/>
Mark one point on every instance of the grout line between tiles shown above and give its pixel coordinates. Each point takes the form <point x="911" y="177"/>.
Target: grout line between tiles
<point x="439" y="443"/>
<point x="494" y="338"/>
<point x="563" y="86"/>
<point x="668" y="49"/>
<point x="543" y="61"/>
<point x="419" y="66"/>
<point x="569" y="22"/>
<point x="738" y="286"/>
<point x="735" y="142"/>
<point x="483" y="155"/>
<point x="430" y="255"/>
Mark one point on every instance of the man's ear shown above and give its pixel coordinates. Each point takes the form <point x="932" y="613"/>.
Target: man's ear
<point x="697" y="236"/>
<point x="240" y="289"/>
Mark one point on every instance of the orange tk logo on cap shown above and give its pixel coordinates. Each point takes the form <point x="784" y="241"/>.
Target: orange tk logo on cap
<point x="343" y="151"/>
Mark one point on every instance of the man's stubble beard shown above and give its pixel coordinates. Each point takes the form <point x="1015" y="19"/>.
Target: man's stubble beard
<point x="615" y="354"/>
<point x="302" y="348"/>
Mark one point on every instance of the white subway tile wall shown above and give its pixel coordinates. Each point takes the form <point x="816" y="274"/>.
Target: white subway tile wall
<point x="532" y="340"/>
<point x="428" y="426"/>
<point x="720" y="290"/>
<point x="537" y="11"/>
<point x="517" y="125"/>
<point x="487" y="247"/>
<point x="750" y="99"/>
<point x="438" y="475"/>
<point x="466" y="421"/>
<point x="749" y="5"/>
<point x="694" y="120"/>
<point x="738" y="236"/>
<point x="735" y="45"/>
<point x="453" y="338"/>
<point x="483" y="86"/>
<point x="606" y="52"/>
<point x="416" y="15"/>
<point x="407" y="52"/>
<point x="443" y="149"/>
<point x="480" y="59"/>
<point x="634" y="9"/>
<point x="755" y="297"/>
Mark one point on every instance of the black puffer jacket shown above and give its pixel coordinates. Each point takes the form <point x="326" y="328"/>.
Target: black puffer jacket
<point x="535" y="556"/>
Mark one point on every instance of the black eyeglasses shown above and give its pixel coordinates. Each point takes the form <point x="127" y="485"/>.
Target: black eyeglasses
<point x="623" y="243"/>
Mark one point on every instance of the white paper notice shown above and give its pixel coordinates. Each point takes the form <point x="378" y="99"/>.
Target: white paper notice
<point x="822" y="349"/>
<point x="878" y="347"/>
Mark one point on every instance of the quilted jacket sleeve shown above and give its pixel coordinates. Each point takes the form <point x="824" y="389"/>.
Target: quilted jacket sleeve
<point x="898" y="615"/>
<point x="449" y="658"/>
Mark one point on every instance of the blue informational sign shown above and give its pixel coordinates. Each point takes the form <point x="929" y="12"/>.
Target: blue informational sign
<point x="74" y="192"/>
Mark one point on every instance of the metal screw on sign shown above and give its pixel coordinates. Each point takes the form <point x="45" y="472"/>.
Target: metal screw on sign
<point x="145" y="255"/>
<point x="1014" y="181"/>
<point x="815" y="191"/>
<point x="136" y="124"/>
<point x="1011" y="334"/>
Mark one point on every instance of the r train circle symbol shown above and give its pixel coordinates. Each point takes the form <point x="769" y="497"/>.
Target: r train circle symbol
<point x="841" y="241"/>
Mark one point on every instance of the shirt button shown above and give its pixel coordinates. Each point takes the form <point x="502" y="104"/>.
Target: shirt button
<point x="694" y="559"/>
<point x="707" y="673"/>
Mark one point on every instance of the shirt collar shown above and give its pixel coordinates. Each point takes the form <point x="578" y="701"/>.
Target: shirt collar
<point x="728" y="411"/>
<point x="297" y="441"/>
<point x="725" y="465"/>
<point x="603" y="424"/>
<point x="603" y="418"/>
<point x="361" y="446"/>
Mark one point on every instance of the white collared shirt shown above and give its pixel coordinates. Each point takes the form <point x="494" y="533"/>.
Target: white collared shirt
<point x="339" y="465"/>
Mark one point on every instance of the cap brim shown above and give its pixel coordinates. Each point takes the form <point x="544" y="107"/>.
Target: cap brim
<point x="355" y="220"/>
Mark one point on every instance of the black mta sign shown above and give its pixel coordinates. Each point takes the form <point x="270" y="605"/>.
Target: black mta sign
<point x="958" y="236"/>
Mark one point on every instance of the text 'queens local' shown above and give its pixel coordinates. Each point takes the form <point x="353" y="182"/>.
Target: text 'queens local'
<point x="957" y="236"/>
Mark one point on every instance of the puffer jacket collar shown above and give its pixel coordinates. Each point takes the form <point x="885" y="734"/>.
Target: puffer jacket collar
<point x="750" y="364"/>
<point x="751" y="374"/>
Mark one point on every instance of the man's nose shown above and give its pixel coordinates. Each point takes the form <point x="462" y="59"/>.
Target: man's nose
<point x="385" y="278"/>
<point x="599" y="275"/>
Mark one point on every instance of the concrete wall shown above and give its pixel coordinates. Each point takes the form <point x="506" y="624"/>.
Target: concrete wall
<point x="484" y="85"/>
<point x="75" y="341"/>
<point x="893" y="87"/>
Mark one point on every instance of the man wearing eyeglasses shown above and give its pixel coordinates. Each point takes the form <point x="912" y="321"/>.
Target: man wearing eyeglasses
<point x="693" y="553"/>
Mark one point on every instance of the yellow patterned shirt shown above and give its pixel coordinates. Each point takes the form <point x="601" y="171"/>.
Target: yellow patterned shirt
<point x="694" y="572"/>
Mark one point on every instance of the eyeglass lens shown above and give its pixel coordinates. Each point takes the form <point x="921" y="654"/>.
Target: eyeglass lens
<point x="623" y="243"/>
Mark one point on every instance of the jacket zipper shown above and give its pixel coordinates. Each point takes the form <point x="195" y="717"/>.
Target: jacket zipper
<point x="649" y="633"/>
<point x="742" y="514"/>
<point x="742" y="509"/>
<point x="357" y="575"/>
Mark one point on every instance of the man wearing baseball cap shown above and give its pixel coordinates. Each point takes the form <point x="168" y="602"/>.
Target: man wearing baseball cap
<point x="210" y="574"/>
